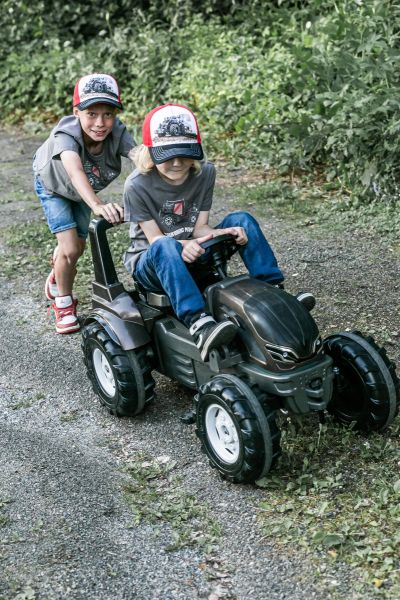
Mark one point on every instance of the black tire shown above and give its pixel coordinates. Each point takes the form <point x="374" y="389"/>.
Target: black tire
<point x="366" y="390"/>
<point x="237" y="429"/>
<point x="122" y="379"/>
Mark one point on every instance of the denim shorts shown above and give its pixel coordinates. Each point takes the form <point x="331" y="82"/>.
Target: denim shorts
<point x="63" y="214"/>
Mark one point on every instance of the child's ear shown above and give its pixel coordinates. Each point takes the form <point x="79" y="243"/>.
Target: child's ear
<point x="76" y="111"/>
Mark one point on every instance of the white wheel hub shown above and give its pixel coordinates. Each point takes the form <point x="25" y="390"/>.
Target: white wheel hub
<point x="104" y="372"/>
<point x="222" y="433"/>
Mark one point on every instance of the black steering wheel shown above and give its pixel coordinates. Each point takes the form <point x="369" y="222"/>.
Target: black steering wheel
<point x="219" y="249"/>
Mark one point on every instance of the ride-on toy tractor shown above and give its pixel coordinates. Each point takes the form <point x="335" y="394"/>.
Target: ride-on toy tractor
<point x="277" y="360"/>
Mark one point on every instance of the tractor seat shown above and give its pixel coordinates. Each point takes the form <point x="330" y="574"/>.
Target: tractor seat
<point x="157" y="299"/>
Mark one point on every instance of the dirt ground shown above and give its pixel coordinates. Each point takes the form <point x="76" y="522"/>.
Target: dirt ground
<point x="67" y="529"/>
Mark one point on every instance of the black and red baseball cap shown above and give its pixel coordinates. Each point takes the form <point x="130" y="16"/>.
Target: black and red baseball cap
<point x="171" y="130"/>
<point x="97" y="88"/>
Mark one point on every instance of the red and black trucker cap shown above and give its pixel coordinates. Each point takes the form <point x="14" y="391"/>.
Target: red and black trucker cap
<point x="97" y="88"/>
<point x="171" y="130"/>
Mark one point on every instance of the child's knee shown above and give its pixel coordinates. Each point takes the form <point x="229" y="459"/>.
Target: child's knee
<point x="241" y="218"/>
<point x="244" y="215"/>
<point x="70" y="253"/>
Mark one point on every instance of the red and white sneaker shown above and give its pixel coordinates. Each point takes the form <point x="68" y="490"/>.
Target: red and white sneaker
<point x="50" y="287"/>
<point x="66" y="319"/>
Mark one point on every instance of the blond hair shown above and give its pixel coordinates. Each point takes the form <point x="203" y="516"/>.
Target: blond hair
<point x="141" y="158"/>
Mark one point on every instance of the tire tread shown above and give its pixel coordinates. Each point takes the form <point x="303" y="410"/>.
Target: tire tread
<point x="235" y="400"/>
<point x="380" y="407"/>
<point x="135" y="384"/>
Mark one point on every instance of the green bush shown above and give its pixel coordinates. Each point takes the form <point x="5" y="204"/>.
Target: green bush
<point x="234" y="87"/>
<point x="287" y="84"/>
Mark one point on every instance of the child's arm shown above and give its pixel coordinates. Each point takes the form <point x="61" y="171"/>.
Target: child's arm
<point x="191" y="248"/>
<point x="113" y="212"/>
<point x="151" y="230"/>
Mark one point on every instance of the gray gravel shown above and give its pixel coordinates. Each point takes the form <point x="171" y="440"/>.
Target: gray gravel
<point x="62" y="455"/>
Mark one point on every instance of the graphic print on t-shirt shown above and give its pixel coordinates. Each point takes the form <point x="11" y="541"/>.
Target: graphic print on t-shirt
<point x="99" y="176"/>
<point x="173" y="213"/>
<point x="96" y="171"/>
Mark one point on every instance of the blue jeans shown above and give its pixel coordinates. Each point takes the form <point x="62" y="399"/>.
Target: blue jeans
<point x="161" y="266"/>
<point x="61" y="213"/>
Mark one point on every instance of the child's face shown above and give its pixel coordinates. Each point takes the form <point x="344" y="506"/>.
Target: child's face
<point x="176" y="170"/>
<point x="96" y="121"/>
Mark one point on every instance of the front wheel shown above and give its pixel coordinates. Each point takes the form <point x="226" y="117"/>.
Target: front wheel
<point x="122" y="379"/>
<point x="237" y="429"/>
<point x="365" y="386"/>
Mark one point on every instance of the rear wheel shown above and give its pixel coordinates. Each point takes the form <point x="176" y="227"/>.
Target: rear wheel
<point x="237" y="429"/>
<point x="365" y="386"/>
<point x="122" y="379"/>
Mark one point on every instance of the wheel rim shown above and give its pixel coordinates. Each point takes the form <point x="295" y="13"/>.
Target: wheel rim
<point x="104" y="372"/>
<point x="222" y="433"/>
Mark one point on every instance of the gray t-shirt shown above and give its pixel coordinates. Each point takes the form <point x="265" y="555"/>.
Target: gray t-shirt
<point x="175" y="208"/>
<point x="100" y="169"/>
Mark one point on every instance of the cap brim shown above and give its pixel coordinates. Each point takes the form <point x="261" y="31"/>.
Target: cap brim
<point x="99" y="100"/>
<point x="160" y="154"/>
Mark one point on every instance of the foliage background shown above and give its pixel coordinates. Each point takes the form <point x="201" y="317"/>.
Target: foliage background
<point x="289" y="85"/>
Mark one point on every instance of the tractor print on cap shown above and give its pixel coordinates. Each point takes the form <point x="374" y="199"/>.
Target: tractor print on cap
<point x="99" y="85"/>
<point x="173" y="126"/>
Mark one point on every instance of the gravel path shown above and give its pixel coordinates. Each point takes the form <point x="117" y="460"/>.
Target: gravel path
<point x="68" y="529"/>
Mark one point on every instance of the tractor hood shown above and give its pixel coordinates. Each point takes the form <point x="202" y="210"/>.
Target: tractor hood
<point x="278" y="321"/>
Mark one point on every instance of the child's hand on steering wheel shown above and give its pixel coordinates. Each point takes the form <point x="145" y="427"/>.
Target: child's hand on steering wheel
<point x="192" y="249"/>
<point x="238" y="232"/>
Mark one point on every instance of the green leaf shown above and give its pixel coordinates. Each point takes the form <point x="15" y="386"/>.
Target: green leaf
<point x="396" y="486"/>
<point x="332" y="540"/>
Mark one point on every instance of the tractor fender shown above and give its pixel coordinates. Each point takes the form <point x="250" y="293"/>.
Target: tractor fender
<point x="127" y="334"/>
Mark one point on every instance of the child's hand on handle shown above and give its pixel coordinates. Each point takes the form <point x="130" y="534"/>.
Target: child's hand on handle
<point x="238" y="232"/>
<point x="112" y="212"/>
<point x="192" y="249"/>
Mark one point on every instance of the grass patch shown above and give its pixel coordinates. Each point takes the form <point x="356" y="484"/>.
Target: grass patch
<point x="309" y="201"/>
<point x="155" y="496"/>
<point x="281" y="197"/>
<point x="68" y="417"/>
<point x="13" y="197"/>
<point x="27" y="249"/>
<point x="4" y="520"/>
<point x="337" y="494"/>
<point x="28" y="402"/>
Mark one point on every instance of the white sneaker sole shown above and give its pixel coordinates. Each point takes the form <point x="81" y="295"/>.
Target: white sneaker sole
<point x="68" y="328"/>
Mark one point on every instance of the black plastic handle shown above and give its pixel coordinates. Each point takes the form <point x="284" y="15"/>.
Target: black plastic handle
<point x="103" y="264"/>
<point x="224" y="237"/>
